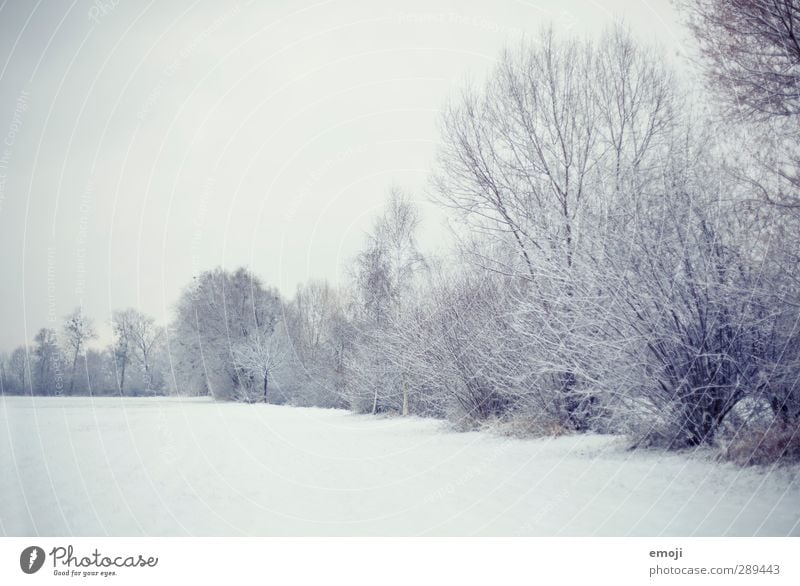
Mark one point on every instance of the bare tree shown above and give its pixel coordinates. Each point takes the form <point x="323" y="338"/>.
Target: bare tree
<point x="78" y="330"/>
<point x="384" y="276"/>
<point x="257" y="357"/>
<point x="548" y="159"/>
<point x="20" y="368"/>
<point x="216" y="315"/>
<point x="319" y="337"/>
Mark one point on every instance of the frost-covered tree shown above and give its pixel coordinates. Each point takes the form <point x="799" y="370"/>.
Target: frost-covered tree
<point x="18" y="369"/>
<point x="751" y="59"/>
<point x="688" y="304"/>
<point x="121" y="323"/>
<point x="545" y="160"/>
<point x="48" y="364"/>
<point x="385" y="275"/>
<point x="256" y="357"/>
<point x="146" y="338"/>
<point x="751" y="51"/>
<point x="219" y="313"/>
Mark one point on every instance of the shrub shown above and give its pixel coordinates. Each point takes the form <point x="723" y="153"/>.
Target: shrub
<point x="779" y="442"/>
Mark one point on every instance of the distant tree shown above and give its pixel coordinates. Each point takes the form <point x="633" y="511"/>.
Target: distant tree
<point x="217" y="317"/>
<point x="78" y="331"/>
<point x="100" y="371"/>
<point x="751" y="58"/>
<point x="19" y="368"/>
<point x="256" y="357"/>
<point x="145" y="338"/>
<point x="48" y="377"/>
<point x="751" y="50"/>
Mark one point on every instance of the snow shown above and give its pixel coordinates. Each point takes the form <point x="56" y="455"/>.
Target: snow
<point x="168" y="466"/>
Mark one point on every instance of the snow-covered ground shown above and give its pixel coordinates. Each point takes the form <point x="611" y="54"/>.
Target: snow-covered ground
<point x="87" y="466"/>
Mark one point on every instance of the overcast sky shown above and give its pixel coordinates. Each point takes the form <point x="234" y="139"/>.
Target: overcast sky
<point x="143" y="142"/>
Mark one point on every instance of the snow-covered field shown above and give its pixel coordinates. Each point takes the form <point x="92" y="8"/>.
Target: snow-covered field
<point x="87" y="466"/>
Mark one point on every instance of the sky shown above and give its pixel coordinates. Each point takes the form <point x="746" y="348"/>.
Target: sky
<point x="142" y="143"/>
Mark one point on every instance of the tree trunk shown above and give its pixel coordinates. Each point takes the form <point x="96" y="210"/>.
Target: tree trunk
<point x="266" y="379"/>
<point x="405" y="401"/>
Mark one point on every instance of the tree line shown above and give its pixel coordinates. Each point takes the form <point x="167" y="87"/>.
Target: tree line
<point x="626" y="261"/>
